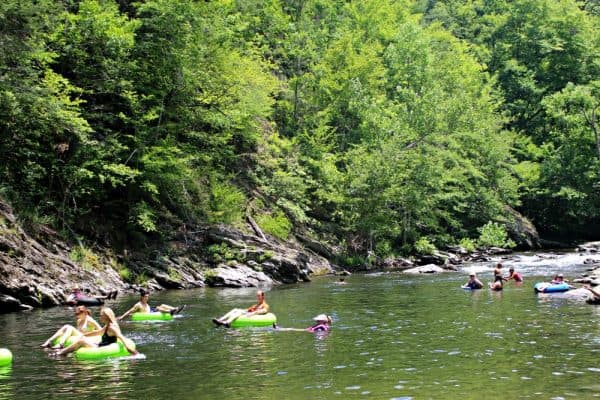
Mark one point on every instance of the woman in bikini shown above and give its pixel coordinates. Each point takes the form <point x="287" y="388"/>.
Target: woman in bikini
<point x="85" y="323"/>
<point x="110" y="334"/>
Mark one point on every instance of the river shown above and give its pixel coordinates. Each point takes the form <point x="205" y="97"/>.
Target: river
<point x="394" y="337"/>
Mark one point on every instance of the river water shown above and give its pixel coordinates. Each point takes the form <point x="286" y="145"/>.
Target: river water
<point x="394" y="337"/>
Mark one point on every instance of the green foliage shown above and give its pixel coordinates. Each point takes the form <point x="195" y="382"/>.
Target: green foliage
<point x="468" y="244"/>
<point x="424" y="246"/>
<point x="126" y="274"/>
<point x="382" y="122"/>
<point x="86" y="258"/>
<point x="275" y="224"/>
<point x="493" y="234"/>
<point x="221" y="252"/>
<point x="227" y="205"/>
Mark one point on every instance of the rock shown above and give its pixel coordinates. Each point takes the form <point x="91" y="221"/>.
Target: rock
<point x="497" y="251"/>
<point x="589" y="247"/>
<point x="319" y="248"/>
<point x="589" y="261"/>
<point x="424" y="269"/>
<point x="522" y="231"/>
<point x="237" y="276"/>
<point x="426" y="259"/>
<point x="9" y="304"/>
<point x="397" y="263"/>
<point x="167" y="282"/>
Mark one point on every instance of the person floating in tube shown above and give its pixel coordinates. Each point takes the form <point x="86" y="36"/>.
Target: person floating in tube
<point x="261" y="307"/>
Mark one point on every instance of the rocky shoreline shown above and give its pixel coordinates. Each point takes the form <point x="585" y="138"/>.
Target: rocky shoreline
<point x="40" y="270"/>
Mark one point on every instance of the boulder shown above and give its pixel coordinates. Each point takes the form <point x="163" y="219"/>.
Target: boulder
<point x="424" y="269"/>
<point x="522" y="231"/>
<point x="237" y="276"/>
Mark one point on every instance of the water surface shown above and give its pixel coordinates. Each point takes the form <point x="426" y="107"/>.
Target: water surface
<point x="394" y="337"/>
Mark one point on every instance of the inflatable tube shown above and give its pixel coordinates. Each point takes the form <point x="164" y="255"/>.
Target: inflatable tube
<point x="72" y="339"/>
<point x="98" y="353"/>
<point x="546" y="287"/>
<point x="254" y="321"/>
<point x="151" y="316"/>
<point x="6" y="357"/>
<point x="89" y="301"/>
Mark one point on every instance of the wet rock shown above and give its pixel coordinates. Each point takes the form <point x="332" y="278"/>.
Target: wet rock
<point x="497" y="251"/>
<point x="424" y="269"/>
<point x="589" y="247"/>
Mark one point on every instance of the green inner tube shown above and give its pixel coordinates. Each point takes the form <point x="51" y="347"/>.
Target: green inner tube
<point x="98" y="353"/>
<point x="70" y="340"/>
<point x="5" y="357"/>
<point x="151" y="316"/>
<point x="254" y="321"/>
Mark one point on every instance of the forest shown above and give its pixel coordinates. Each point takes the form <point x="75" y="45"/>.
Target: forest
<point x="383" y="127"/>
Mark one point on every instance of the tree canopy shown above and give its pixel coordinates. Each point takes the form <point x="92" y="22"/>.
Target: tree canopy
<point x="374" y="123"/>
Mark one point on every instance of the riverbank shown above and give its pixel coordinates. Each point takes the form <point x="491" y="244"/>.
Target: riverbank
<point x="38" y="269"/>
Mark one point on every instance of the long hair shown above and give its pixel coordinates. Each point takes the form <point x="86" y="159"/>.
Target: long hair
<point x="110" y="314"/>
<point x="82" y="309"/>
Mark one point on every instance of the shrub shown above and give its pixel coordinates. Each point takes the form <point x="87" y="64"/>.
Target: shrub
<point x="493" y="234"/>
<point x="468" y="244"/>
<point x="125" y="274"/>
<point x="85" y="257"/>
<point x="275" y="224"/>
<point x="227" y="203"/>
<point x="424" y="246"/>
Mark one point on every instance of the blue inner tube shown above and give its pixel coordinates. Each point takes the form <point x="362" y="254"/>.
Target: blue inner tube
<point x="546" y="287"/>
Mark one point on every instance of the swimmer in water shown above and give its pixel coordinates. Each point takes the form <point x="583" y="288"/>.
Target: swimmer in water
<point x="497" y="284"/>
<point x="322" y="324"/>
<point x="513" y="275"/>
<point x="473" y="282"/>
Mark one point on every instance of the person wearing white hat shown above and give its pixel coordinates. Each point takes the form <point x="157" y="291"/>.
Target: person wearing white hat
<point x="322" y="324"/>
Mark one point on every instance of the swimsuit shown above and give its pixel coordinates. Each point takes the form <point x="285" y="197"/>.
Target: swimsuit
<point x="318" y="328"/>
<point x="474" y="285"/>
<point x="106" y="339"/>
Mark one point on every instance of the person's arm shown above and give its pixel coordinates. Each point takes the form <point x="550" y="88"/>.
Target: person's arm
<point x="117" y="331"/>
<point x="95" y="332"/>
<point x="93" y="322"/>
<point x="130" y="311"/>
<point x="259" y="309"/>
